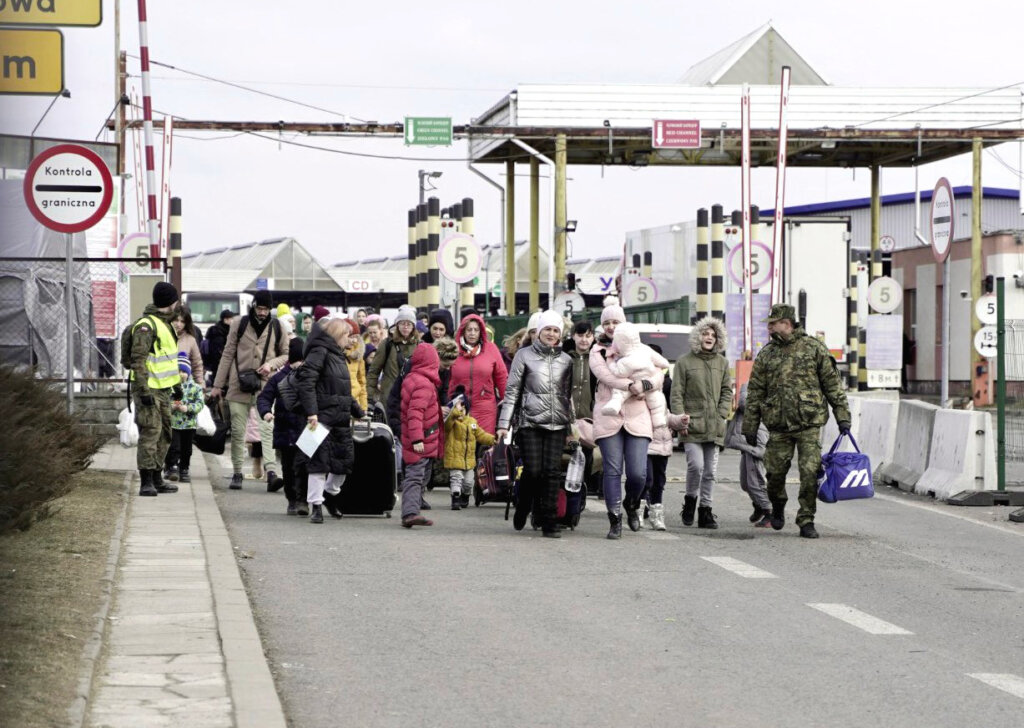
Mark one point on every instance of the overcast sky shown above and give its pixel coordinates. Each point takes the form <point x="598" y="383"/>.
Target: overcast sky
<point x="368" y="62"/>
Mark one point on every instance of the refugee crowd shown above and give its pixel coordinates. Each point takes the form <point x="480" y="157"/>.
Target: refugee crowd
<point x="449" y="394"/>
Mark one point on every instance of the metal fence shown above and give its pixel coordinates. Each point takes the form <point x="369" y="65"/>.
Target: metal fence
<point x="34" y="317"/>
<point x="1014" y="344"/>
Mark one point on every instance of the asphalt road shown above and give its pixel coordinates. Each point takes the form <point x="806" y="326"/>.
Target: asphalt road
<point x="905" y="613"/>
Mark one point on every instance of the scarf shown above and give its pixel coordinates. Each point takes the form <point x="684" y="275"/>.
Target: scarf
<point x="473" y="350"/>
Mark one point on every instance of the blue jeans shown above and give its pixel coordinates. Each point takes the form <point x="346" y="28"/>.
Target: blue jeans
<point x="617" y="450"/>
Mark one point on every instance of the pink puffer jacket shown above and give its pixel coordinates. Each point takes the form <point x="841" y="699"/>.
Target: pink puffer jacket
<point x="634" y="415"/>
<point x="661" y="444"/>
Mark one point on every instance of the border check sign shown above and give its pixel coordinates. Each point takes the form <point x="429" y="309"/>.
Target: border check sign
<point x="68" y="188"/>
<point x="942" y="219"/>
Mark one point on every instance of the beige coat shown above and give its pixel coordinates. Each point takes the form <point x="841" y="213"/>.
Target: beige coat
<point x="247" y="352"/>
<point x="187" y="343"/>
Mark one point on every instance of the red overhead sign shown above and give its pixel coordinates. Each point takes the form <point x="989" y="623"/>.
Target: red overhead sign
<point x="676" y="134"/>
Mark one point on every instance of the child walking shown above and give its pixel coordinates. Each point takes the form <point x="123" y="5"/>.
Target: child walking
<point x="753" y="478"/>
<point x="183" y="425"/>
<point x="422" y="430"/>
<point x="461" y="436"/>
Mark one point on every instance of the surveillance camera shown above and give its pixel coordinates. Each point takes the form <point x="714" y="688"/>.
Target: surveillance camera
<point x="1018" y="274"/>
<point x="964" y="294"/>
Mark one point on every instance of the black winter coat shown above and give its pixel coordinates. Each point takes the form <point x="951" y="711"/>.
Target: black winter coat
<point x="217" y="338"/>
<point x="287" y="425"/>
<point x="325" y="391"/>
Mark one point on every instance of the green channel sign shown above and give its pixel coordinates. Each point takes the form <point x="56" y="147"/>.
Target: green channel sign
<point x="428" y="130"/>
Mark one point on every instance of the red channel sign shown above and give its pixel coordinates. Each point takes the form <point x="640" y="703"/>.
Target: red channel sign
<point x="68" y="188"/>
<point x="675" y="134"/>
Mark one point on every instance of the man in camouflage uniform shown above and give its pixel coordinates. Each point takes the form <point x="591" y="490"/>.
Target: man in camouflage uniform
<point x="793" y="382"/>
<point x="155" y="382"/>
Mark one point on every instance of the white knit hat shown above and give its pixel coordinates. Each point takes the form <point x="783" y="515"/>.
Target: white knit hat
<point x="550" y="318"/>
<point x="406" y="313"/>
<point x="613" y="311"/>
<point x="532" y="325"/>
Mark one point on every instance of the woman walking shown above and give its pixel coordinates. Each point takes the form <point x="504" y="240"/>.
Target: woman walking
<point x="624" y="437"/>
<point x="326" y="396"/>
<point x="702" y="388"/>
<point x="540" y="389"/>
<point x="480" y="371"/>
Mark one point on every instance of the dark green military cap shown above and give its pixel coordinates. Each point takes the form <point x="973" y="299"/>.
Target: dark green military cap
<point x="782" y="311"/>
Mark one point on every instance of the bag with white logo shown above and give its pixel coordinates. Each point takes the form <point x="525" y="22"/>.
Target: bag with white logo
<point x="844" y="475"/>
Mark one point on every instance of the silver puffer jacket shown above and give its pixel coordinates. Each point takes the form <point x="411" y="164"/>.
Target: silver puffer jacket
<point x="539" y="389"/>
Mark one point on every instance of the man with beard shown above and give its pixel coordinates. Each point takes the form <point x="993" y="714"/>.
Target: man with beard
<point x="254" y="350"/>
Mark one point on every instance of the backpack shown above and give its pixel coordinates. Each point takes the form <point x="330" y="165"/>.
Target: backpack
<point x="288" y="392"/>
<point x="204" y="351"/>
<point x="126" y="341"/>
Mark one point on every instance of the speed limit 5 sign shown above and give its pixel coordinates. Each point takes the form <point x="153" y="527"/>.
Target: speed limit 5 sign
<point x="885" y="294"/>
<point x="459" y="258"/>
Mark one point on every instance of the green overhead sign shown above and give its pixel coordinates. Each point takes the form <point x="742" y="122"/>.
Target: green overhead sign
<point x="428" y="130"/>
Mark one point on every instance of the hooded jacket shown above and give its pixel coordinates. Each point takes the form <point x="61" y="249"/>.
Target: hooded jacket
<point x="287" y="425"/>
<point x="584" y="383"/>
<point x="444" y="316"/>
<point x="634" y="416"/>
<point x="540" y="386"/>
<point x="421" y="408"/>
<point x="357" y="369"/>
<point x="702" y="387"/>
<point x="792" y="384"/>
<point x="734" y="432"/>
<point x="388" y="362"/>
<point x="323" y="388"/>
<point x="481" y="373"/>
<point x="462" y="434"/>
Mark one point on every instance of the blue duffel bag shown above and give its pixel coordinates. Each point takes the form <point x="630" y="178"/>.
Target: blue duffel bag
<point x="844" y="475"/>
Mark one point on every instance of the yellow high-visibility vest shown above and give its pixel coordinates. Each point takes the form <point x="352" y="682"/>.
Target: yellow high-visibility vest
<point x="162" y="360"/>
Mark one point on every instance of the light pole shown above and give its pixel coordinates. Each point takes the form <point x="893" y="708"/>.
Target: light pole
<point x="424" y="174"/>
<point x="64" y="93"/>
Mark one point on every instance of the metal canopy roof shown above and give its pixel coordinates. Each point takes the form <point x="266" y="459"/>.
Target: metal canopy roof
<point x="755" y="58"/>
<point x="828" y="126"/>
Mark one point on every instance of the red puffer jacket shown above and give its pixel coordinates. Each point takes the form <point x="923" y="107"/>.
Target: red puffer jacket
<point x="482" y="373"/>
<point x="421" y="409"/>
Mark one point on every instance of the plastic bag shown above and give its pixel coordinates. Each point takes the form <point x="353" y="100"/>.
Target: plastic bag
<point x="204" y="423"/>
<point x="574" y="475"/>
<point x="127" y="430"/>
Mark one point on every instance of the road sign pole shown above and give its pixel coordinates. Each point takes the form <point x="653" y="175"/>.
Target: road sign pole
<point x="944" y="392"/>
<point x="1000" y="384"/>
<point x="69" y="304"/>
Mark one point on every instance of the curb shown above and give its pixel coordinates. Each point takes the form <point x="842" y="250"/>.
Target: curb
<point x="253" y="693"/>
<point x="90" y="659"/>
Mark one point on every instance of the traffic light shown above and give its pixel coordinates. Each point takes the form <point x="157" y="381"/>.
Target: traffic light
<point x="570" y="281"/>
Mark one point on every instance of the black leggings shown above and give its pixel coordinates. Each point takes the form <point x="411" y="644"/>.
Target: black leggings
<point x="180" y="451"/>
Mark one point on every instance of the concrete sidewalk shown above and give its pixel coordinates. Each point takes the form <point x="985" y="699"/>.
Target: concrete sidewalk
<point x="180" y="646"/>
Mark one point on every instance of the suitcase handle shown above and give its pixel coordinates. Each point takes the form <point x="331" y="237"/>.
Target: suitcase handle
<point x="358" y="431"/>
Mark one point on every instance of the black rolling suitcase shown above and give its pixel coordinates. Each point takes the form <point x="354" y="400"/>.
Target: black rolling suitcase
<point x="369" y="490"/>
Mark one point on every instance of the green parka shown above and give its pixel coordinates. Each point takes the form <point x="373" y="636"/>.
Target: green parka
<point x="702" y="387"/>
<point x="792" y="384"/>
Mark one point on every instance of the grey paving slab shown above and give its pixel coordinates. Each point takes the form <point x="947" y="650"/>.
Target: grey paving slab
<point x="181" y="646"/>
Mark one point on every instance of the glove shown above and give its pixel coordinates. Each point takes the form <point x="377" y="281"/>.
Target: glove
<point x="647" y="385"/>
<point x="751" y="439"/>
<point x="147" y="400"/>
<point x="844" y="430"/>
<point x="177" y="393"/>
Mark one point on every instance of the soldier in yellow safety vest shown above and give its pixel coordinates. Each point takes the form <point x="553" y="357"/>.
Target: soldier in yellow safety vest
<point x="155" y="382"/>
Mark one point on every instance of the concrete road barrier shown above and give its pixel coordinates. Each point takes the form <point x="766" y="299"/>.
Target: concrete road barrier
<point x="876" y="430"/>
<point x="911" y="444"/>
<point x="961" y="454"/>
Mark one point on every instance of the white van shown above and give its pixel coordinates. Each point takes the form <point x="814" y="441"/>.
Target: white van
<point x="673" y="339"/>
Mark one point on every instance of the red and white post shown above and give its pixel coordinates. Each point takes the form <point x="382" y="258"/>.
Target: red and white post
<point x="152" y="221"/>
<point x="780" y="188"/>
<point x="748" y="294"/>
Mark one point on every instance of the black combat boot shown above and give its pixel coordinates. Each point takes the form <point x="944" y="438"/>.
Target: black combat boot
<point x="689" y="508"/>
<point x="778" y="515"/>
<point x="146" y="487"/>
<point x="615" y="519"/>
<point x="808" y="530"/>
<point x="705" y="518"/>
<point x="160" y="485"/>
<point x="317" y="516"/>
<point x="184" y="476"/>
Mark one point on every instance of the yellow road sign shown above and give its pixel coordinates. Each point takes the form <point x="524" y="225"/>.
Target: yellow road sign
<point x="31" y="61"/>
<point x="51" y="12"/>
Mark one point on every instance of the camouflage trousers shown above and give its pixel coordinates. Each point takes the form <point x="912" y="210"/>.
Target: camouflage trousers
<point x="154" y="429"/>
<point x="778" y="455"/>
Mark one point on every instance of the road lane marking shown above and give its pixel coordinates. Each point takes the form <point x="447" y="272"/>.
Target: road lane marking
<point x="739" y="568"/>
<point x="857" y="618"/>
<point x="940" y="511"/>
<point x="1012" y="684"/>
